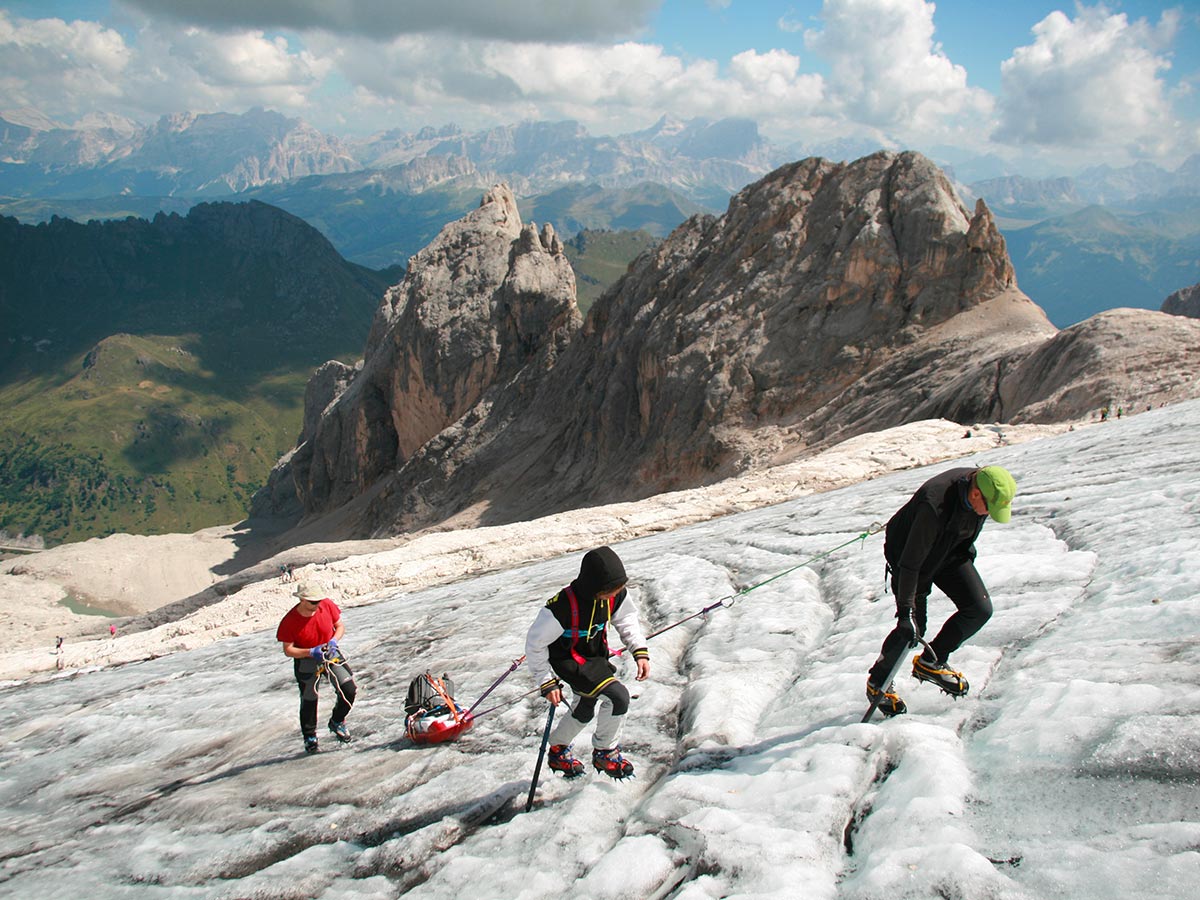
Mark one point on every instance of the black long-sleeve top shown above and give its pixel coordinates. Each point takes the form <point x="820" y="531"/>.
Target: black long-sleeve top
<point x="935" y="530"/>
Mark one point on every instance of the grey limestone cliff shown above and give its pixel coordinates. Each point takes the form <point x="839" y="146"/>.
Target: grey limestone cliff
<point x="486" y="299"/>
<point x="1184" y="302"/>
<point x="712" y="351"/>
<point x="829" y="300"/>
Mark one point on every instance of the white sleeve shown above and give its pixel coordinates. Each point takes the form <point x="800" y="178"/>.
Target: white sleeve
<point x="629" y="626"/>
<point x="544" y="631"/>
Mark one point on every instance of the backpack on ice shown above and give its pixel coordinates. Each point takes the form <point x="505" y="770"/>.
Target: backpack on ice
<point x="432" y="714"/>
<point x="426" y="693"/>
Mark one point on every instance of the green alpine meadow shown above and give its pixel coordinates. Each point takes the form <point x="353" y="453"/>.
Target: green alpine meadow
<point x="154" y="371"/>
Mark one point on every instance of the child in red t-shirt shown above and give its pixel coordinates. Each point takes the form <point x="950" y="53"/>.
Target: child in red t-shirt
<point x="310" y="633"/>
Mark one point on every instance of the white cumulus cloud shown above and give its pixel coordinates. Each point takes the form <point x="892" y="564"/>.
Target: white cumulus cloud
<point x="1094" y="79"/>
<point x="888" y="73"/>
<point x="70" y="69"/>
<point x="606" y="88"/>
<point x="204" y="71"/>
<point x="45" y="59"/>
<point x="246" y="59"/>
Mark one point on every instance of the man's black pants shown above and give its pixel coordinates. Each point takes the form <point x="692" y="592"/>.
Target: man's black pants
<point x="962" y="584"/>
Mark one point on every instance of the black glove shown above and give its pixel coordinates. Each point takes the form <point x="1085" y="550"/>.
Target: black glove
<point x="907" y="624"/>
<point x="551" y="685"/>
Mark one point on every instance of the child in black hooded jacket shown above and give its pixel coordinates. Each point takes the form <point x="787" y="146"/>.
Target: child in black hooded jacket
<point x="569" y="641"/>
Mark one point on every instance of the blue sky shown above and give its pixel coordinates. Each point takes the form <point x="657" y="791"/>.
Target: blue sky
<point x="1046" y="84"/>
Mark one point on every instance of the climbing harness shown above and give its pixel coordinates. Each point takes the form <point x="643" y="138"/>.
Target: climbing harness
<point x="575" y="633"/>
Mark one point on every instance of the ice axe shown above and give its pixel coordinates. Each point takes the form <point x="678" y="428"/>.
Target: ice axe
<point x="537" y="770"/>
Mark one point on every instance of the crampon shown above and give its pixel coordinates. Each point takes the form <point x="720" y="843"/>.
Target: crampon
<point x="941" y="675"/>
<point x="612" y="763"/>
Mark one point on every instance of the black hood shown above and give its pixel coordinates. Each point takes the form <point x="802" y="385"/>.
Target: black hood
<point x="601" y="570"/>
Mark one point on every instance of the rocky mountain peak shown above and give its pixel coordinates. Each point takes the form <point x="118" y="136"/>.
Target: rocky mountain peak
<point x="28" y="117"/>
<point x="830" y="299"/>
<point x="718" y="345"/>
<point x="489" y="297"/>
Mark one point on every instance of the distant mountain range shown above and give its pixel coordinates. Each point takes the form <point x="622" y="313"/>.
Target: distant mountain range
<point x="206" y="156"/>
<point x="1075" y="262"/>
<point x="184" y="154"/>
<point x="1133" y="189"/>
<point x="380" y="199"/>
<point x="154" y="366"/>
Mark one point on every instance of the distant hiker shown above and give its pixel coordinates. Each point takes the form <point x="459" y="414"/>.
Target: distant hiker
<point x="59" y="662"/>
<point x="1120" y="412"/>
<point x="569" y="639"/>
<point x="931" y="541"/>
<point x="1104" y="414"/>
<point x="310" y="633"/>
<point x="112" y="631"/>
<point x="58" y="642"/>
<point x="291" y="571"/>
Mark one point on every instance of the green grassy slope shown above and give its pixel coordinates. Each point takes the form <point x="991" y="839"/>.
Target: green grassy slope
<point x="143" y="439"/>
<point x="153" y="373"/>
<point x="652" y="208"/>
<point x="599" y="258"/>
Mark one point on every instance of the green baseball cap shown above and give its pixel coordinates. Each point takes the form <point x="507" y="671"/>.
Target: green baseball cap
<point x="998" y="489"/>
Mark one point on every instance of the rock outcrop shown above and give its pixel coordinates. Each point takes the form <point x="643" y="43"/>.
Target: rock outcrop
<point x="1184" y="302"/>
<point x="1131" y="357"/>
<point x="829" y="300"/>
<point x="964" y="371"/>
<point x="713" y="350"/>
<point x="488" y="298"/>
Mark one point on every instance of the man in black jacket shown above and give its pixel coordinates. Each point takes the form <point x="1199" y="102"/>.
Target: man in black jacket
<point x="931" y="541"/>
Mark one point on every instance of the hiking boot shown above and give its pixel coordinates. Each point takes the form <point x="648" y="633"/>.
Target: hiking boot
<point x="310" y="743"/>
<point x="939" y="674"/>
<point x="612" y="763"/>
<point x="889" y="703"/>
<point x="562" y="760"/>
<point x="340" y="731"/>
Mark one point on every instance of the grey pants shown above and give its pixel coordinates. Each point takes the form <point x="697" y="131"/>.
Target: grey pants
<point x="306" y="677"/>
<point x="612" y="703"/>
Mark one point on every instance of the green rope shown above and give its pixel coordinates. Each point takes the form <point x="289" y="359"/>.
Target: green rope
<point x="874" y="528"/>
<point x="729" y="600"/>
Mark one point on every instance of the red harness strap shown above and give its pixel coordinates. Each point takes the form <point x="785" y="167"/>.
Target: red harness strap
<point x="575" y="655"/>
<point x="574" y="626"/>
